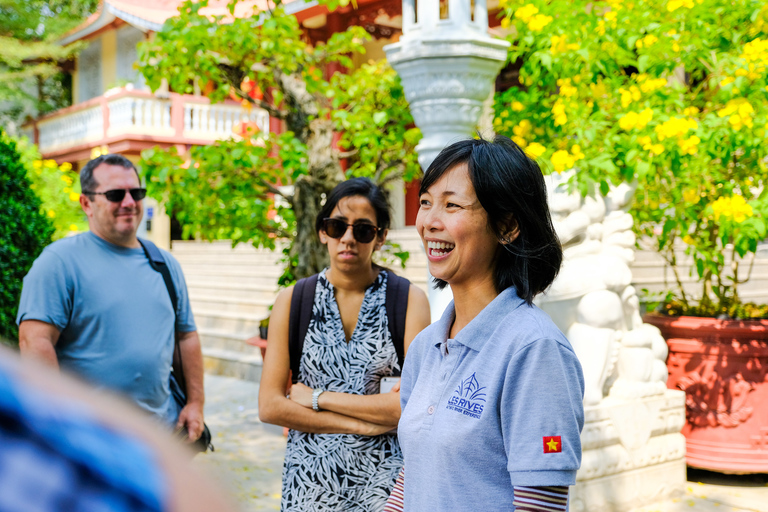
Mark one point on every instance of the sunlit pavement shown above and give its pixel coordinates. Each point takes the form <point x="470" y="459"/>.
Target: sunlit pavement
<point x="249" y="457"/>
<point x="249" y="454"/>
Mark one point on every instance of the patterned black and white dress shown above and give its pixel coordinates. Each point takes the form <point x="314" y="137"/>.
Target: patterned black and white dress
<point x="333" y="472"/>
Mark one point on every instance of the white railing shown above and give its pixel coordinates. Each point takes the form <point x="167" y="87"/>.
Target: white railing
<point x="71" y="129"/>
<point x="147" y="116"/>
<point x="202" y="121"/>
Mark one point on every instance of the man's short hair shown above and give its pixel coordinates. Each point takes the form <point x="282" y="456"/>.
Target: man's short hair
<point x="89" y="183"/>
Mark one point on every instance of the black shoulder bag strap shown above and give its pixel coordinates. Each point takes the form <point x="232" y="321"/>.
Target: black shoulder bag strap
<point x="396" y="304"/>
<point x="298" y="322"/>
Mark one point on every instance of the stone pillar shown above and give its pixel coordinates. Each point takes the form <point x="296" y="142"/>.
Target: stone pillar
<point x="447" y="67"/>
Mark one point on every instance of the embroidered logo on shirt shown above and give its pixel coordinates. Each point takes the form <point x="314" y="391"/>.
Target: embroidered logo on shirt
<point x="468" y="399"/>
<point x="552" y="444"/>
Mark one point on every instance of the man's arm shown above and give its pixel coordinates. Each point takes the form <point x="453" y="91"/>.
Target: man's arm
<point x="191" y="415"/>
<point x="38" y="340"/>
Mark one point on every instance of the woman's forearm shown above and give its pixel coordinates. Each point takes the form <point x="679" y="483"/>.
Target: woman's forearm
<point x="286" y="413"/>
<point x="382" y="409"/>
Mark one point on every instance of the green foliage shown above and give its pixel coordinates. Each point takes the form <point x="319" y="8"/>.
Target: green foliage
<point x="24" y="231"/>
<point x="239" y="188"/>
<point x="56" y="186"/>
<point x="31" y="80"/>
<point x="376" y="125"/>
<point x="669" y="94"/>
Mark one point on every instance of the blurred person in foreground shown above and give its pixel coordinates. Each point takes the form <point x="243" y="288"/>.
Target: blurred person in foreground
<point x="492" y="392"/>
<point x="64" y="446"/>
<point x="93" y="304"/>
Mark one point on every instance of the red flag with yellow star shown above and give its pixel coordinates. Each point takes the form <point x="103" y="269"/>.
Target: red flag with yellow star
<point x="552" y="444"/>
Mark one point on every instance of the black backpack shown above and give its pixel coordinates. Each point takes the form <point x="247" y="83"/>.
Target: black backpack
<point x="396" y="304"/>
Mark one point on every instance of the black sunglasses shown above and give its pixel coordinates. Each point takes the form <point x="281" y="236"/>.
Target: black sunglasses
<point x="363" y="233"/>
<point x="117" y="195"/>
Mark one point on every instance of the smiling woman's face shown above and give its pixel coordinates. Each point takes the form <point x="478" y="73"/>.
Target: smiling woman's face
<point x="347" y="254"/>
<point x="461" y="248"/>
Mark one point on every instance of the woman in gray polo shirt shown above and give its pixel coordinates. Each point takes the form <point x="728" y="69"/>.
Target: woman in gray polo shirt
<point x="492" y="392"/>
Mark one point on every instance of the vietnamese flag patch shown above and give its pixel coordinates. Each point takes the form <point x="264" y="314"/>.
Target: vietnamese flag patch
<point x="552" y="444"/>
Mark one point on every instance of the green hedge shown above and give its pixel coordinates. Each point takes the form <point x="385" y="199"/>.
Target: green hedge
<point x="24" y="231"/>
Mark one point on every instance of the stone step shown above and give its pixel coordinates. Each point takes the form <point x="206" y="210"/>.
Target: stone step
<point x="232" y="305"/>
<point x="232" y="290"/>
<point x="233" y="279"/>
<point x="229" y="321"/>
<point x="230" y="341"/>
<point x="232" y="364"/>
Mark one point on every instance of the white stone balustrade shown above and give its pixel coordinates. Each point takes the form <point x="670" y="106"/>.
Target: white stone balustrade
<point x="72" y="129"/>
<point x="204" y="121"/>
<point x="140" y="115"/>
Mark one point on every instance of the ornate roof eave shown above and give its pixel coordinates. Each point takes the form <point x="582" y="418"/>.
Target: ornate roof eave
<point x="102" y="18"/>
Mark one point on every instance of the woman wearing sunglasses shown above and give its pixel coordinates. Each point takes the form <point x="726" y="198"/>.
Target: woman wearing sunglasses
<point x="342" y="453"/>
<point x="492" y="392"/>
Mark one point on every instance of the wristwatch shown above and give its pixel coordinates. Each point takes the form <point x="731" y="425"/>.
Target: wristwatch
<point x="315" y="395"/>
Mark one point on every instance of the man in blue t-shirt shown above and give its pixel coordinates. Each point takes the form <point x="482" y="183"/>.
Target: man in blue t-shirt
<point x="93" y="305"/>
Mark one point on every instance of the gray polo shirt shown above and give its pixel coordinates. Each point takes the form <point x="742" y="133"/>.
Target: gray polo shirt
<point x="114" y="314"/>
<point x="500" y="405"/>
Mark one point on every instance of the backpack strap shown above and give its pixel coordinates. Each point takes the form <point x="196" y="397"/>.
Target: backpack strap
<point x="396" y="304"/>
<point x="158" y="264"/>
<point x="302" y="300"/>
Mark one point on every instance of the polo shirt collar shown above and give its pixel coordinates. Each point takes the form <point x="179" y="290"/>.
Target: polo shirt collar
<point x="480" y="329"/>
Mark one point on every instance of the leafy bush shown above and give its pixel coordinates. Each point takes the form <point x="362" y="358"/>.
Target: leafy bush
<point x="24" y="231"/>
<point x="671" y="95"/>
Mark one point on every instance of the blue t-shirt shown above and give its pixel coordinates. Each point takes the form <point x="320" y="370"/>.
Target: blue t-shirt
<point x="498" y="406"/>
<point x="114" y="314"/>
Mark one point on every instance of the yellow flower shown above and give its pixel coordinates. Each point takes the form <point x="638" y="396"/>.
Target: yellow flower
<point x="51" y="213"/>
<point x="689" y="145"/>
<point x="734" y="207"/>
<point x="690" y="111"/>
<point x="73" y="227"/>
<point x="601" y="27"/>
<point x="675" y="47"/>
<point x="652" y="85"/>
<point x="505" y="23"/>
<point x="727" y="81"/>
<point x="535" y="149"/>
<point x="517" y="106"/>
<point x="559" y="44"/>
<point x="634" y="120"/>
<point x="674" y="5"/>
<point x="519" y="141"/>
<point x="539" y="21"/>
<point x="690" y="195"/>
<point x="629" y="95"/>
<point x="523" y="128"/>
<point x="51" y="164"/>
<point x="688" y="239"/>
<point x="562" y="160"/>
<point x="526" y="12"/>
<point x="611" y="15"/>
<point x="566" y="89"/>
<point x="648" y="145"/>
<point x="74" y="196"/>
<point x="675" y="127"/>
<point x="37" y="164"/>
<point x="65" y="167"/>
<point x="558" y="109"/>
<point x="576" y="152"/>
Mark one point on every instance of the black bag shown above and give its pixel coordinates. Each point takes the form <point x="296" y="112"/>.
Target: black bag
<point x="396" y="304"/>
<point x="177" y="385"/>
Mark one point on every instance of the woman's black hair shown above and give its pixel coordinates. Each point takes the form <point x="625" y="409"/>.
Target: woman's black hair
<point x="510" y="187"/>
<point x="363" y="187"/>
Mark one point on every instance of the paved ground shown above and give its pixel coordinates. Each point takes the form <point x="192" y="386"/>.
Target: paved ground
<point x="249" y="457"/>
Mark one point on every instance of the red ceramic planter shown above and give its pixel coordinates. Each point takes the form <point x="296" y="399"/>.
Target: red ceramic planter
<point x="722" y="365"/>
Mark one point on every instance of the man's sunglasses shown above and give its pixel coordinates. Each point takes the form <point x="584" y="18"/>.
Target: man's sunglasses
<point x="336" y="228"/>
<point x="117" y="195"/>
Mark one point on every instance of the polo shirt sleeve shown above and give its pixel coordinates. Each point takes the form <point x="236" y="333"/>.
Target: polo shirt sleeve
<point x="185" y="320"/>
<point x="48" y="292"/>
<point x="542" y="414"/>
